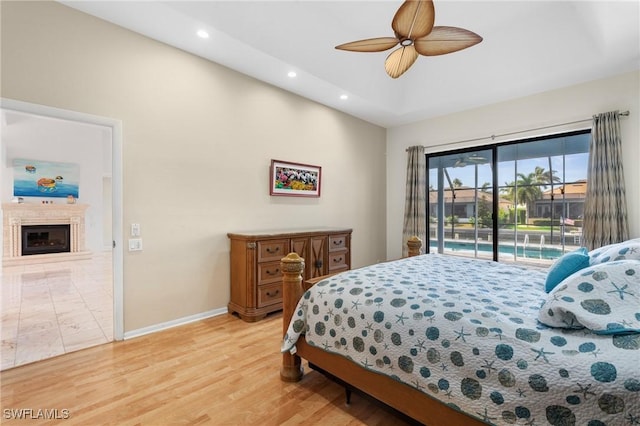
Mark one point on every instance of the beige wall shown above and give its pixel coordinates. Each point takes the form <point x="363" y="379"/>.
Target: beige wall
<point x="545" y="109"/>
<point x="197" y="142"/>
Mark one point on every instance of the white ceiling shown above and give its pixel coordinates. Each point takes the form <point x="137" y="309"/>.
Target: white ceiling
<point x="529" y="47"/>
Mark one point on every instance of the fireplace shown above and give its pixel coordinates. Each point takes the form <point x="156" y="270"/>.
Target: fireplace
<point x="42" y="239"/>
<point x="40" y="233"/>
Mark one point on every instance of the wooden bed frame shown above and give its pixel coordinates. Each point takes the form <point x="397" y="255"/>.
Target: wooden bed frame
<point x="404" y="398"/>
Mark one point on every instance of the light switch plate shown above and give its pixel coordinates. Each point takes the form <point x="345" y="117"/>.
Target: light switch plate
<point x="135" y="244"/>
<point x="135" y="229"/>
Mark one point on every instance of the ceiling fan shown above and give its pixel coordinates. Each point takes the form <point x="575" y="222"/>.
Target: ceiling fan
<point x="414" y="31"/>
<point x="474" y="158"/>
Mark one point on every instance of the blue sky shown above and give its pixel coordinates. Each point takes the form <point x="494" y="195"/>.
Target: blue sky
<point x="575" y="168"/>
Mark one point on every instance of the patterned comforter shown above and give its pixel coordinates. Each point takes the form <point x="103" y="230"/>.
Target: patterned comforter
<point x="466" y="332"/>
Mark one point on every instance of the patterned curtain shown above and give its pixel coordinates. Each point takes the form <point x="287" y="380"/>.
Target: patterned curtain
<point x="415" y="206"/>
<point x="605" y="206"/>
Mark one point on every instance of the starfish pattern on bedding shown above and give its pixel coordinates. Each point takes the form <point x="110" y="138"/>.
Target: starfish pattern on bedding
<point x="621" y="291"/>
<point x="420" y="345"/>
<point x="543" y="354"/>
<point x="401" y="318"/>
<point x="489" y="366"/>
<point x="485" y="416"/>
<point x="461" y="334"/>
<point x="584" y="390"/>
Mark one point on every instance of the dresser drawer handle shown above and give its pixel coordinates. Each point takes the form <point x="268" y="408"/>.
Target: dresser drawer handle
<point x="274" y="294"/>
<point x="270" y="250"/>
<point x="337" y="243"/>
<point x="337" y="260"/>
<point x="268" y="272"/>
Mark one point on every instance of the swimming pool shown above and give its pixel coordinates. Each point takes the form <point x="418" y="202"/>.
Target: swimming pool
<point x="534" y="252"/>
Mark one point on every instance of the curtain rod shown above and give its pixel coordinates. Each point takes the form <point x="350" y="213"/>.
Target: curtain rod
<point x="493" y="137"/>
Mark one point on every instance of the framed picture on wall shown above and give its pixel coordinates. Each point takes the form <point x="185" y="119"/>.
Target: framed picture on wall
<point x="294" y="179"/>
<point x="35" y="178"/>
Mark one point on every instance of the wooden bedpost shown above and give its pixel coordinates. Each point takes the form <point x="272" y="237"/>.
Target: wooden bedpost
<point x="292" y="267"/>
<point x="415" y="244"/>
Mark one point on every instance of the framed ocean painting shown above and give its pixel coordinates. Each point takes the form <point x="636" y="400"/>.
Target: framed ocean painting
<point x="35" y="178"/>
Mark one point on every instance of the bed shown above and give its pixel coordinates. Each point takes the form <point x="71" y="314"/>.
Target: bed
<point x="460" y="341"/>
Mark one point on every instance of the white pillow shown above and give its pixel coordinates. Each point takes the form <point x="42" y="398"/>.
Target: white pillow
<point x="629" y="249"/>
<point x="604" y="298"/>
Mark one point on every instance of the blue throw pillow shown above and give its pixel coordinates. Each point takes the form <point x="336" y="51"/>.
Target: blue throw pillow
<point x="564" y="266"/>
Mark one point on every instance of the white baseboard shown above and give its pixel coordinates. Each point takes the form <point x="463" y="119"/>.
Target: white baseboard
<point x="174" y="323"/>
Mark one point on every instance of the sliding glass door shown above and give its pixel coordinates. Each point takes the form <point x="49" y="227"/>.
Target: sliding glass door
<point x="543" y="184"/>
<point x="520" y="201"/>
<point x="461" y="203"/>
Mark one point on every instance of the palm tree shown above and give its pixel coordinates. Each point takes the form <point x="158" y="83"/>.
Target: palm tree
<point x="525" y="191"/>
<point x="545" y="177"/>
<point x="457" y="183"/>
<point x="528" y="191"/>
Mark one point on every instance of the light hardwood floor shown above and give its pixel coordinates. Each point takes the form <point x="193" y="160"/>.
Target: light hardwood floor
<point x="219" y="371"/>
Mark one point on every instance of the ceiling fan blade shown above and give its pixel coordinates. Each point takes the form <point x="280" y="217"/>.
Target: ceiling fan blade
<point x="400" y="60"/>
<point x="459" y="163"/>
<point x="414" y="19"/>
<point x="370" y="45"/>
<point x="443" y="40"/>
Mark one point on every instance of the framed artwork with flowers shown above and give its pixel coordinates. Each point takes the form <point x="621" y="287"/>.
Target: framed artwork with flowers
<point x="294" y="179"/>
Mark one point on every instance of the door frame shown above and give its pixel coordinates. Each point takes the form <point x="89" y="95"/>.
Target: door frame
<point x="116" y="181"/>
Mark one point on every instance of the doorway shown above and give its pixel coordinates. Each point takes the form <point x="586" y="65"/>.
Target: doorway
<point x="42" y="296"/>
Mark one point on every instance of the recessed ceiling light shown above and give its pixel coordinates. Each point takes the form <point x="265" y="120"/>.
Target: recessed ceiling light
<point x="344" y="97"/>
<point x="292" y="74"/>
<point x="203" y="34"/>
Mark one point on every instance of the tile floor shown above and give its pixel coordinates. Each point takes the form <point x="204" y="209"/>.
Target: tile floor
<point x="50" y="309"/>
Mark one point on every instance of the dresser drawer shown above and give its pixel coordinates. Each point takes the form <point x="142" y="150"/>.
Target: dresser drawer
<point x="270" y="294"/>
<point x="337" y="242"/>
<point x="269" y="272"/>
<point x="338" y="261"/>
<point x="272" y="250"/>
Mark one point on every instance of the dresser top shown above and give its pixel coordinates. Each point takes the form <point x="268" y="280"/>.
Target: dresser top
<point x="290" y="232"/>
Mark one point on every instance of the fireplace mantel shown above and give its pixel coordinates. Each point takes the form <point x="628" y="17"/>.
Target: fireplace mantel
<point x="15" y="215"/>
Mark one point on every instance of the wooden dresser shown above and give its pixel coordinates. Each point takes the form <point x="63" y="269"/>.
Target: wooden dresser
<point x="256" y="279"/>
